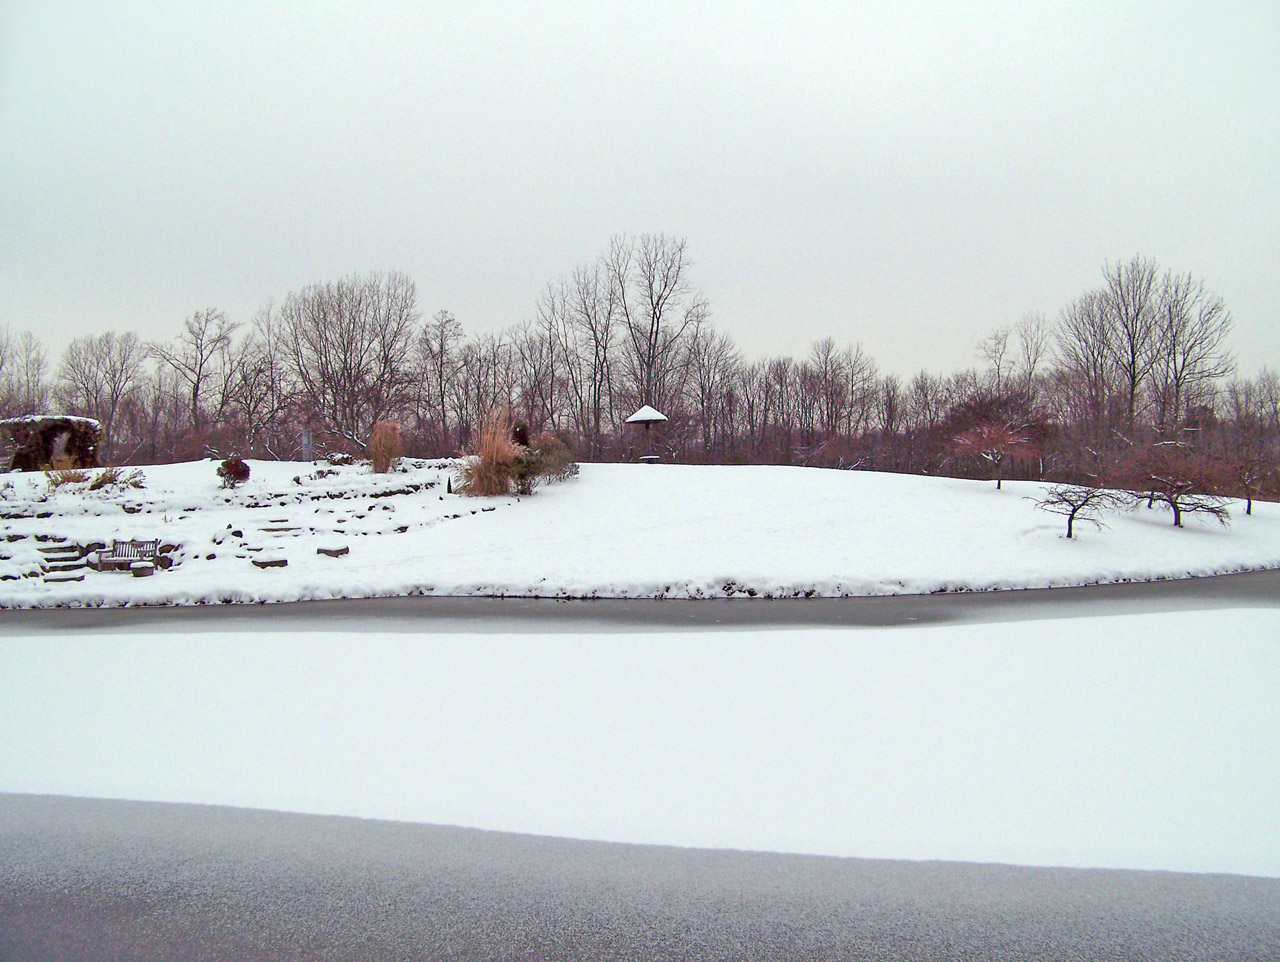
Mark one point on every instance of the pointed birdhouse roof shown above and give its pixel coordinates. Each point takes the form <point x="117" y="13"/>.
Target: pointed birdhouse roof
<point x="646" y="415"/>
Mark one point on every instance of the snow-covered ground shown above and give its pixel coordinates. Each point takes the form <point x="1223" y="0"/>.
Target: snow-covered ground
<point x="619" y="530"/>
<point x="1138" y="741"/>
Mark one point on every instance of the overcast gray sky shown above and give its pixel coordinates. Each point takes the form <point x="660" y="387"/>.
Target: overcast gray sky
<point x="908" y="175"/>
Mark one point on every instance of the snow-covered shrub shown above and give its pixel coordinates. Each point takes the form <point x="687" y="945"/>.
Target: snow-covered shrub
<point x="548" y="458"/>
<point x="555" y="456"/>
<point x="384" y="446"/>
<point x="233" y="472"/>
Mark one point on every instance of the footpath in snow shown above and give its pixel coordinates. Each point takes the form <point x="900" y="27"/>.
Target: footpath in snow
<point x="299" y="531"/>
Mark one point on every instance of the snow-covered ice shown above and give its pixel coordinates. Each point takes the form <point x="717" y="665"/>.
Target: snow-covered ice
<point x="1136" y="741"/>
<point x="620" y="530"/>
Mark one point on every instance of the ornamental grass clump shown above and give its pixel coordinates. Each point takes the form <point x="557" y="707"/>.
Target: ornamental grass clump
<point x="384" y="446"/>
<point x="58" y="477"/>
<point x="509" y="460"/>
<point x="111" y="478"/>
<point x="492" y="469"/>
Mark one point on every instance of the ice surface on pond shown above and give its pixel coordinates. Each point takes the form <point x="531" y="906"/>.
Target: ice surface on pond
<point x="1138" y="741"/>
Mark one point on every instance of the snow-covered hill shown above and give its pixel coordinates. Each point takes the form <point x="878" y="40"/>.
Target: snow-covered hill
<point x="619" y="530"/>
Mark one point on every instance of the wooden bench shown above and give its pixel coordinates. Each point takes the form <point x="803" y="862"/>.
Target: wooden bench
<point x="122" y="554"/>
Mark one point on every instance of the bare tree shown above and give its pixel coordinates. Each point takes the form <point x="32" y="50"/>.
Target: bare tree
<point x="994" y="349"/>
<point x="889" y="411"/>
<point x="994" y="443"/>
<point x="1172" y="474"/>
<point x="590" y="333"/>
<point x="1080" y="502"/>
<point x="203" y="345"/>
<point x="1086" y="377"/>
<point x="1034" y="335"/>
<point x="1129" y="301"/>
<point x="262" y="392"/>
<point x="436" y="346"/>
<point x="927" y="401"/>
<point x="861" y="375"/>
<point x="97" y="374"/>
<point x="830" y="385"/>
<point x="713" y="366"/>
<point x="485" y="383"/>
<point x="658" y="305"/>
<point x="1192" y="327"/>
<point x="152" y="417"/>
<point x="27" y="383"/>
<point x="6" y="368"/>
<point x="537" y="355"/>
<point x="348" y="346"/>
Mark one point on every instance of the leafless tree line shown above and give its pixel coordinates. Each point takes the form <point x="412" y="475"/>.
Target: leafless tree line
<point x="1141" y="360"/>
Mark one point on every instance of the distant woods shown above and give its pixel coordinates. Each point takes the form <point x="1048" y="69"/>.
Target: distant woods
<point x="1134" y="376"/>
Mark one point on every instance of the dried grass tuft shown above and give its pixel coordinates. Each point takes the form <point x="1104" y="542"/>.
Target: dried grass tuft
<point x="60" y="476"/>
<point x="114" y="477"/>
<point x="491" y="470"/>
<point x="384" y="446"/>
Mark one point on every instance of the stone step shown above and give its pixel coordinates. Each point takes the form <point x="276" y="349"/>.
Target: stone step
<point x="53" y="567"/>
<point x="52" y="579"/>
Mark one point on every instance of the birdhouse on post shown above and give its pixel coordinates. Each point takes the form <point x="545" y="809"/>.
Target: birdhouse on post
<point x="647" y="417"/>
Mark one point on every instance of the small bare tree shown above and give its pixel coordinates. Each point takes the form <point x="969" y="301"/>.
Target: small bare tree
<point x="1252" y="473"/>
<point x="994" y="443"/>
<point x="1081" y="502"/>
<point x="1184" y="481"/>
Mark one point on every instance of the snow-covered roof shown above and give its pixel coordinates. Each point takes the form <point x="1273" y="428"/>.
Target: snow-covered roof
<point x="35" y="418"/>
<point x="646" y="415"/>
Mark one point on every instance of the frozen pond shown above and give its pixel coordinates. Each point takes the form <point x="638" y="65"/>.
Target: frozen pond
<point x="1135" y="740"/>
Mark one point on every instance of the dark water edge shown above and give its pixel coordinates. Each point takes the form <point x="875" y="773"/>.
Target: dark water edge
<point x="92" y="879"/>
<point x="1260" y="589"/>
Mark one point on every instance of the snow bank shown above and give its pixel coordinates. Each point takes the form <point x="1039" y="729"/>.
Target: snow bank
<point x="620" y="530"/>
